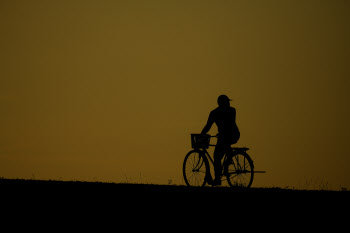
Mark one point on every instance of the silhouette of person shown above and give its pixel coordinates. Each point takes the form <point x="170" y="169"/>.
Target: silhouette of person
<point x="224" y="117"/>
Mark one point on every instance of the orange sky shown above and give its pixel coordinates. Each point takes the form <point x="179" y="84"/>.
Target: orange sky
<point x="111" y="90"/>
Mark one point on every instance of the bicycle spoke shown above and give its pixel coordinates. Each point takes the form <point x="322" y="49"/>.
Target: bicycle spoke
<point x="194" y="169"/>
<point x="240" y="172"/>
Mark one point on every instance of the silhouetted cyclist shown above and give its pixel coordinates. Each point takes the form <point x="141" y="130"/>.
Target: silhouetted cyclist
<point x="224" y="117"/>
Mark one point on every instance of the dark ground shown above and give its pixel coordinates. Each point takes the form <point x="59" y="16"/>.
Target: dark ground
<point x="136" y="188"/>
<point x="147" y="206"/>
<point x="170" y="202"/>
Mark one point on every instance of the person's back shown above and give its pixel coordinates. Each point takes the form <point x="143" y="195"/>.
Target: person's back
<point x="224" y="117"/>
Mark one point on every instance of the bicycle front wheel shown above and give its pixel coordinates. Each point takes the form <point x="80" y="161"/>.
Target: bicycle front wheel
<point x="195" y="168"/>
<point x="240" y="171"/>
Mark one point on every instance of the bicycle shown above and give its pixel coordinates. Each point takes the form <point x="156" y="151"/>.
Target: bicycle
<point x="237" y="166"/>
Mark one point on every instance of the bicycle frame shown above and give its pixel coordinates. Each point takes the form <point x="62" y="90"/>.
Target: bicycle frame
<point x="232" y="150"/>
<point x="207" y="155"/>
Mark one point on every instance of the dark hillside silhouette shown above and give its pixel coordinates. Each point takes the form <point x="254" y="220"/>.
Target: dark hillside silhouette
<point x="23" y="184"/>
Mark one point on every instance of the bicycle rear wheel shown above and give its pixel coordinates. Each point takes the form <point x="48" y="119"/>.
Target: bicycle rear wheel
<point x="195" y="168"/>
<point x="240" y="171"/>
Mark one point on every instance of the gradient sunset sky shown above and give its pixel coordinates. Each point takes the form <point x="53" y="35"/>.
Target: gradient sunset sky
<point x="111" y="90"/>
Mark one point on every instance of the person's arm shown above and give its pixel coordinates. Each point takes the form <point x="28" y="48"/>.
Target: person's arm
<point x="208" y="125"/>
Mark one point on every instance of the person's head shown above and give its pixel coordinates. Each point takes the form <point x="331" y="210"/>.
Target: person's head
<point x="223" y="101"/>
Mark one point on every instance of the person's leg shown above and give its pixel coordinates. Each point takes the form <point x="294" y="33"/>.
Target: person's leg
<point x="218" y="155"/>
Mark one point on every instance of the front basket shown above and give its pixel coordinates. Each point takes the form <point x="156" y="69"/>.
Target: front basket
<point x="200" y="141"/>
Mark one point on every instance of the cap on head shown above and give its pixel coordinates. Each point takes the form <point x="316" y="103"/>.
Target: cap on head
<point x="222" y="99"/>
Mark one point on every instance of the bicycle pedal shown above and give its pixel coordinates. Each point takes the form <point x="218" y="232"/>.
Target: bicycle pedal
<point x="209" y="180"/>
<point x="216" y="183"/>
